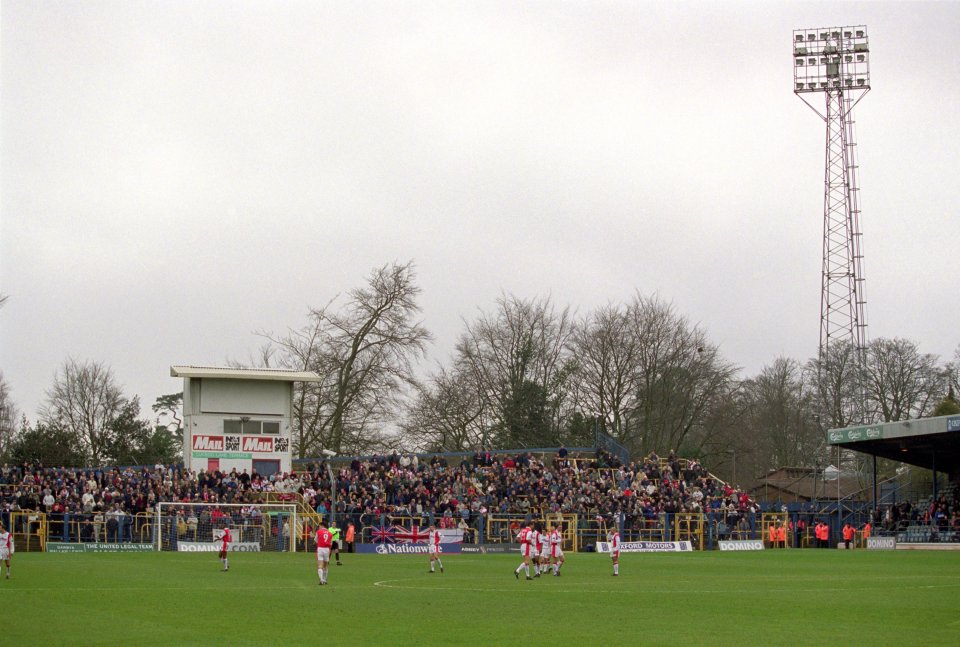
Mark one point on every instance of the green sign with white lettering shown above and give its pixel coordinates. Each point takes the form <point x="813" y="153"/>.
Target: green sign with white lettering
<point x="852" y="435"/>
<point x="98" y="547"/>
<point x="221" y="455"/>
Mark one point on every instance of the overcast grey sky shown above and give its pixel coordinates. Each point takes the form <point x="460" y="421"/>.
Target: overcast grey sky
<point x="176" y="175"/>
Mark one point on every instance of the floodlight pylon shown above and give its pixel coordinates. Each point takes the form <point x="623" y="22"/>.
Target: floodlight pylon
<point x="835" y="62"/>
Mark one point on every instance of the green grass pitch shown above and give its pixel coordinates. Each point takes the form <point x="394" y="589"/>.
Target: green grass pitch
<point x="796" y="597"/>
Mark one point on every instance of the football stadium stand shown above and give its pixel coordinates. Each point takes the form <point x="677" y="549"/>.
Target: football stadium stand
<point x="487" y="495"/>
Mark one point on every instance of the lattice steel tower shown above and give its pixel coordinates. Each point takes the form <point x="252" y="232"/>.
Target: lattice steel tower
<point x="835" y="61"/>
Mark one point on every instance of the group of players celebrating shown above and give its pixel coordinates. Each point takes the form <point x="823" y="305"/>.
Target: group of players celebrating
<point x="542" y="550"/>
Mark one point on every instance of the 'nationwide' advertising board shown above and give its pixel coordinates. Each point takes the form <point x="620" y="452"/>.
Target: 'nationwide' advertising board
<point x="405" y="549"/>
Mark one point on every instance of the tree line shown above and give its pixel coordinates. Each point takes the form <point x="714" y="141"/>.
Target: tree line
<point x="525" y="373"/>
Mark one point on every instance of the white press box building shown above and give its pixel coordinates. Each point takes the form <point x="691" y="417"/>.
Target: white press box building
<point x="235" y="417"/>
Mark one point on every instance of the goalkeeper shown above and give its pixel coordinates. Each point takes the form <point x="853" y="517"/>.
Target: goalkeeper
<point x="335" y="531"/>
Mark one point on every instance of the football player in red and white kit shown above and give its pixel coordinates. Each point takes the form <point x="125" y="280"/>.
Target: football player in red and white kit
<point x="324" y="541"/>
<point x="614" y="538"/>
<point x="555" y="539"/>
<point x="543" y="550"/>
<point x="6" y="547"/>
<point x="527" y="550"/>
<point x="433" y="547"/>
<point x="225" y="538"/>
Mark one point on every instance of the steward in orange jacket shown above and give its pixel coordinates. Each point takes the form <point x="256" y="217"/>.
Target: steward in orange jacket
<point x="351" y="535"/>
<point x="822" y="532"/>
<point x="848" y="534"/>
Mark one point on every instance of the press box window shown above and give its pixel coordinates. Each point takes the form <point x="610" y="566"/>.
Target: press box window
<point x="271" y="427"/>
<point x="251" y="427"/>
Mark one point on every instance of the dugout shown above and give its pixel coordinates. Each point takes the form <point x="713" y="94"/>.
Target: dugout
<point x="238" y="418"/>
<point x="930" y="443"/>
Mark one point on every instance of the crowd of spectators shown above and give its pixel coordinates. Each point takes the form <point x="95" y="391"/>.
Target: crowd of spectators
<point x="941" y="514"/>
<point x="451" y="492"/>
<point x="410" y="489"/>
<point x="600" y="489"/>
<point x="116" y="501"/>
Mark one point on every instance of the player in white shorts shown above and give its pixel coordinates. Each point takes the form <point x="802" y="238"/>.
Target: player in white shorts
<point x="534" y="539"/>
<point x="614" y="538"/>
<point x="324" y="541"/>
<point x="433" y="547"/>
<point x="556" y="548"/>
<point x="527" y="550"/>
<point x="225" y="538"/>
<point x="543" y="550"/>
<point x="6" y="547"/>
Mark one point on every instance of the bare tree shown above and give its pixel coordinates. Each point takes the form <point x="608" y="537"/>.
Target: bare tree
<point x="681" y="378"/>
<point x="607" y="355"/>
<point x="8" y="416"/>
<point x="8" y="410"/>
<point x="449" y="414"/>
<point x="364" y="352"/>
<point x="900" y="381"/>
<point x="953" y="375"/>
<point x="84" y="400"/>
<point x="518" y="356"/>
<point x="836" y="382"/>
<point x="780" y="420"/>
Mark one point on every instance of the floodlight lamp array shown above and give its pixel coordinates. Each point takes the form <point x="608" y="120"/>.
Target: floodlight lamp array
<point x="831" y="58"/>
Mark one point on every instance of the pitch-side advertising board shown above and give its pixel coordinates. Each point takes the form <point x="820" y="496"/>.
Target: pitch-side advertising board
<point x="405" y="549"/>
<point x="741" y="544"/>
<point x="98" y="547"/>
<point x="211" y="547"/>
<point x="648" y="547"/>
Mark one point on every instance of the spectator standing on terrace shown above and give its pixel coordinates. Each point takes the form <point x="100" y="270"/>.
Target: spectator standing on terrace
<point x="113" y="522"/>
<point x="98" y="523"/>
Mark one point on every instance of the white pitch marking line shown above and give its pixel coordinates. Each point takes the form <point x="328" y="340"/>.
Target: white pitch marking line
<point x="387" y="584"/>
